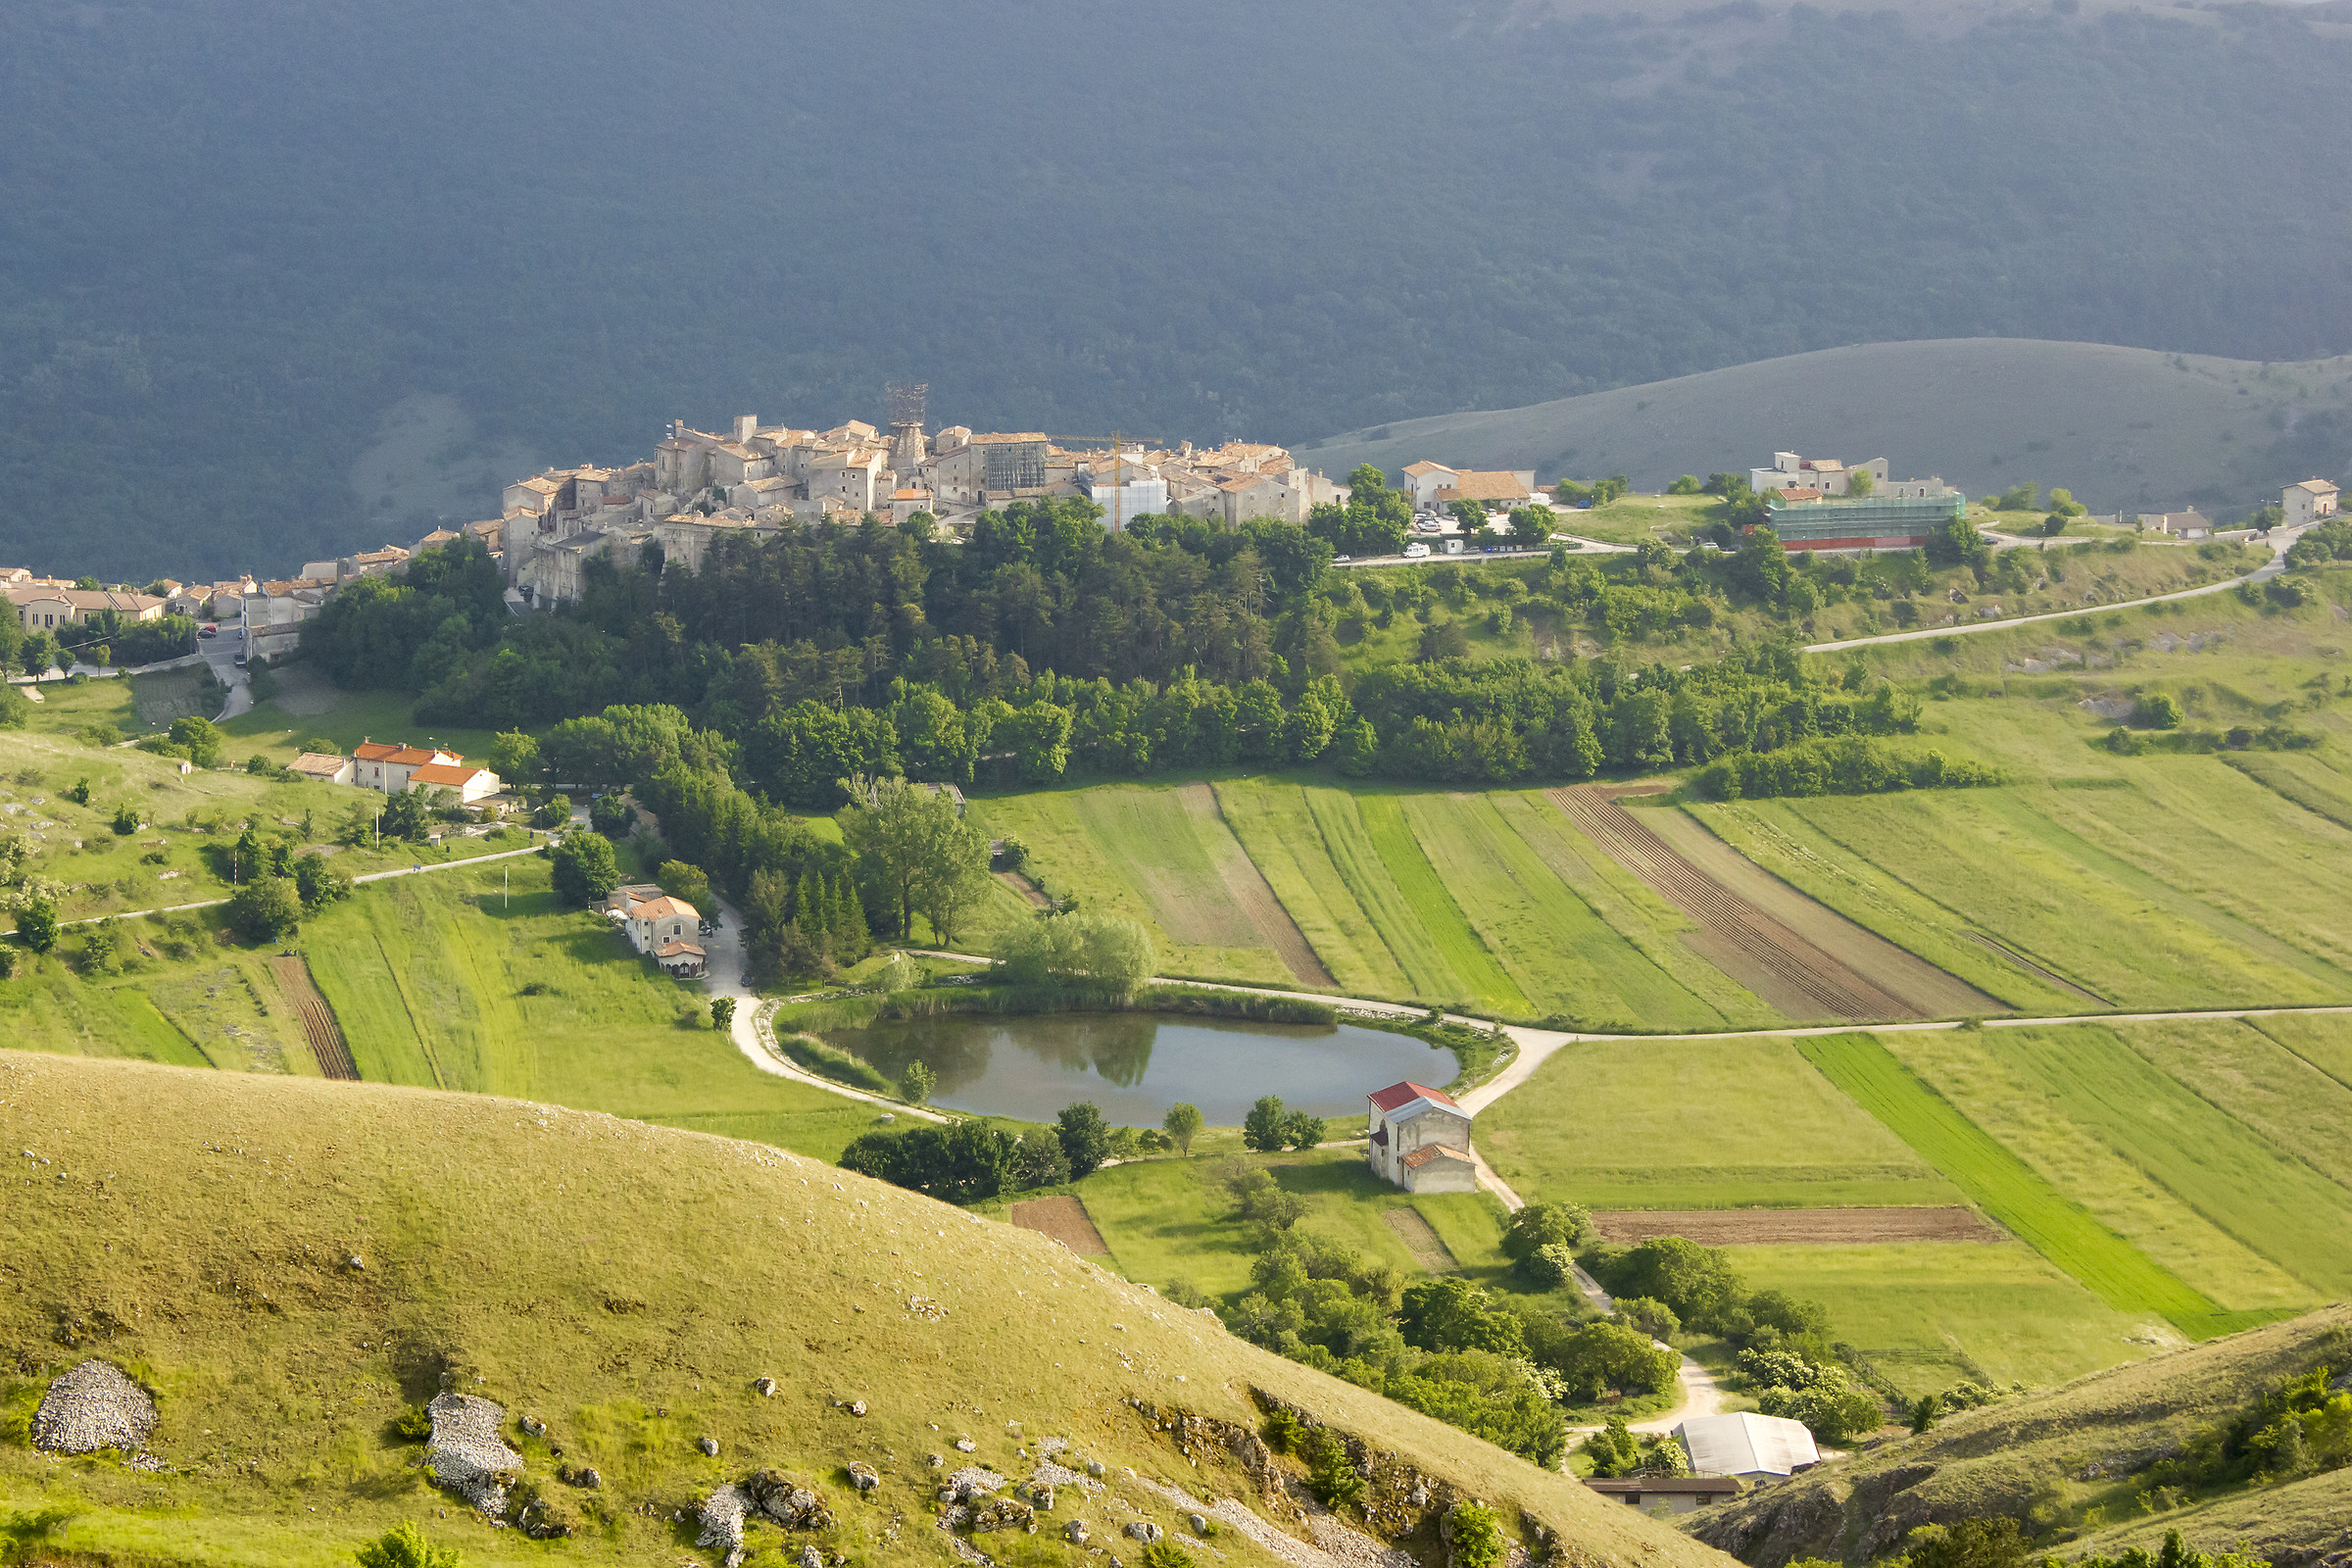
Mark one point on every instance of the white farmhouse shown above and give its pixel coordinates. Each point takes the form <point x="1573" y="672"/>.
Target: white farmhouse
<point x="1421" y="1140"/>
<point x="660" y="926"/>
<point x="2308" y="502"/>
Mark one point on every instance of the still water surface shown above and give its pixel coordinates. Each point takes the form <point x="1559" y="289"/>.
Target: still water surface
<point x="1135" y="1065"/>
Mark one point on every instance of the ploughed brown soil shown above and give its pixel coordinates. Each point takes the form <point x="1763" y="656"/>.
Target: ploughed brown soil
<point x="1026" y="889"/>
<point x="1804" y="958"/>
<point x="1760" y="1227"/>
<point x="318" y="1024"/>
<point x="1428" y="1248"/>
<point x="1064" y="1219"/>
<point x="1249" y="889"/>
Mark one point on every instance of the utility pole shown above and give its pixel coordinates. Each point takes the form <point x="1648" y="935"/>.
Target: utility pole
<point x="505" y="879"/>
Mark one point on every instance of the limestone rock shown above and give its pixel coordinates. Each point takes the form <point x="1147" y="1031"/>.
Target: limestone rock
<point x="1145" y="1530"/>
<point x="864" y="1476"/>
<point x="709" y="1446"/>
<point x="1076" y="1532"/>
<point x="532" y="1428"/>
<point x="767" y="1388"/>
<point x="1003" y="1513"/>
<point x="974" y="1481"/>
<point x="937" y="1462"/>
<point x="584" y="1476"/>
<point x="92" y="1407"/>
<point x="810" y="1557"/>
<point x="1093" y="1467"/>
<point x="722" y="1515"/>
<point x="1198" y="1521"/>
<point x="795" y="1507"/>
<point x="1040" y="1494"/>
<point x="966" y="1445"/>
<point x="465" y="1453"/>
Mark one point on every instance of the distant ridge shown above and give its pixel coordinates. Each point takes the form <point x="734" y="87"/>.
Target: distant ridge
<point x="2124" y="428"/>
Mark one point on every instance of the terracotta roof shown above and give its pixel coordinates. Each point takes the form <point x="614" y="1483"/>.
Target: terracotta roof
<point x="1416" y="470"/>
<point x="375" y="751"/>
<point x="2318" y="487"/>
<point x="1667" y="1486"/>
<point x="448" y="774"/>
<point x="1800" y="492"/>
<point x="1488" y="485"/>
<point x="318" y="762"/>
<point x="1429" y="1151"/>
<point x="673" y="950"/>
<point x="1404" y="1094"/>
<point x="661" y="908"/>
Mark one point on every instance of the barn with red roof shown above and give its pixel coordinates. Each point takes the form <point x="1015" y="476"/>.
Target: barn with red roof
<point x="1421" y="1140"/>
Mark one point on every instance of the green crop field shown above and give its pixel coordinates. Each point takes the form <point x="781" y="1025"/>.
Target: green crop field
<point x="1399" y="842"/>
<point x="1278" y="828"/>
<point x="2242" y="1068"/>
<point x="1134" y="850"/>
<point x="2012" y="1191"/>
<point x="1676" y="1124"/>
<point x="2322" y="1040"/>
<point x="1930" y="1314"/>
<point x="2076" y="1091"/>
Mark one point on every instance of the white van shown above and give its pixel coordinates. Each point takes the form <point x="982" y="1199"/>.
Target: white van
<point x="1416" y="549"/>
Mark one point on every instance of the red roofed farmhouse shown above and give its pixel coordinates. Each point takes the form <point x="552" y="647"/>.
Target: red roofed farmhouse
<point x="1421" y="1140"/>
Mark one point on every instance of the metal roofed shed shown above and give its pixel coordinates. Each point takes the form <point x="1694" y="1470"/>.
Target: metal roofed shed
<point x="1747" y="1445"/>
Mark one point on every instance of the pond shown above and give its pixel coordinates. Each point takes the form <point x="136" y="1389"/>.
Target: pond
<point x="1135" y="1065"/>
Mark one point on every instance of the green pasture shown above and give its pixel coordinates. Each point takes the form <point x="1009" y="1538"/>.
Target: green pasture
<point x="1989" y="1078"/>
<point x="1133" y="849"/>
<point x="1696" y="1124"/>
<point x="2046" y="1219"/>
<point x="2312" y="780"/>
<point x="2264" y="1195"/>
<point x="1277" y="826"/>
<point x="444" y="981"/>
<point x="1930" y="1314"/>
<point x="2324" y="1040"/>
<point x="2242" y="1068"/>
<point x="1398" y="839"/>
<point x="1172" y="1220"/>
<point x="307" y="706"/>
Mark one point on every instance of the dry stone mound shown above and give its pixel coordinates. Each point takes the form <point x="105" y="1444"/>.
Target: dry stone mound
<point x="92" y="1407"/>
<point x="465" y="1452"/>
<point x="723" y="1514"/>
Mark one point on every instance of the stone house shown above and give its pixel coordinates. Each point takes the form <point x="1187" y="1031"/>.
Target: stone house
<point x="2308" y="502"/>
<point x="387" y="766"/>
<point x="324" y="768"/>
<point x="469" y="784"/>
<point x="1421" y="1140"/>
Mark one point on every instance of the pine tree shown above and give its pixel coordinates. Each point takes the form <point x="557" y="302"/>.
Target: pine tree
<point x="810" y="909"/>
<point x="851" y="941"/>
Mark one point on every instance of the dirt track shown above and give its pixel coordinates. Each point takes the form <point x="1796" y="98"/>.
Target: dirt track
<point x="1428" y="1248"/>
<point x="1758" y="1227"/>
<point x="317" y="1019"/>
<point x="1026" y="889"/>
<point x="1756" y="946"/>
<point x="1256" y="895"/>
<point x="1065" y="1220"/>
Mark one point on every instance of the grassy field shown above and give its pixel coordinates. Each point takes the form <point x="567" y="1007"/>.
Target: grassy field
<point x="1172" y="1220"/>
<point x="1932" y="1314"/>
<point x="363" y="1245"/>
<point x="1276" y="824"/>
<point x="307" y="706"/>
<point x="2046" y="1219"/>
<point x="2076" y="1092"/>
<point x="1404" y="844"/>
<point x="1134" y="850"/>
<point x="1674" y="1125"/>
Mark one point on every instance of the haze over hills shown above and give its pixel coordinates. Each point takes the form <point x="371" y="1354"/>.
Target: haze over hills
<point x="290" y="279"/>
<point x="2125" y="430"/>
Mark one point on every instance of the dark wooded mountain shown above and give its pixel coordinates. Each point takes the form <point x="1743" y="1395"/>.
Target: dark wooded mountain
<point x="284" y="276"/>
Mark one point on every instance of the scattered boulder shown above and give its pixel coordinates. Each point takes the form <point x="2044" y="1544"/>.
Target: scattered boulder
<point x="584" y="1476"/>
<point x="709" y="1446"/>
<point x="810" y="1557"/>
<point x="534" y="1427"/>
<point x="864" y="1476"/>
<point x="937" y="1462"/>
<point x="465" y="1455"/>
<point x="857" y="1408"/>
<point x="722" y="1515"/>
<point x="354" y="1261"/>
<point x="767" y="1388"/>
<point x="1076" y="1532"/>
<point x="92" y="1407"/>
<point x="1003" y="1513"/>
<point x="1040" y="1494"/>
<point x="1093" y="1467"/>
<point x="1145" y="1530"/>
<point x="1200" y="1524"/>
<point x="542" y="1517"/>
<point x="775" y="1495"/>
<point x="965" y="1444"/>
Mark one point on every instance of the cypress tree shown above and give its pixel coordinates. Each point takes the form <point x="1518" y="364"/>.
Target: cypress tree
<point x="851" y="941"/>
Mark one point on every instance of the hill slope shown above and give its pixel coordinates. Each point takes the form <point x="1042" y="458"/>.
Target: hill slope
<point x="300" y="249"/>
<point x="2075" y="1456"/>
<point x="2124" y="428"/>
<point x="288" y="1263"/>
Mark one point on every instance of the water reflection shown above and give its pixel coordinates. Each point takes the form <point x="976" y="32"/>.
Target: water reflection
<point x="1135" y="1065"/>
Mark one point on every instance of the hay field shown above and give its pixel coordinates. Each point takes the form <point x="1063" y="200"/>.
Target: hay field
<point x="1134" y="850"/>
<point x="622" y="1283"/>
<point x="1932" y="1314"/>
<point x="1676" y="1124"/>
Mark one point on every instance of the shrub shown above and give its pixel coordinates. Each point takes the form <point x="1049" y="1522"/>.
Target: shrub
<point x="1549" y="1267"/>
<point x="722" y="1013"/>
<point x="1330" y="1472"/>
<point x="585" y="869"/>
<point x="1301" y="1131"/>
<point x="1263" y="1129"/>
<point x="1653" y="1318"/>
<point x="1084" y="1138"/>
<point x="1536" y="1226"/>
<point x="2158" y="711"/>
<point x="1183" y="1124"/>
<point x="403" y="1545"/>
<point x="1166" y="1553"/>
<point x="1602" y="1357"/>
<point x="916" y="1083"/>
<point x="127" y="819"/>
<point x="1281" y="1431"/>
<point x="1477" y="1532"/>
<point x="264" y="909"/>
<point x="414" y="1424"/>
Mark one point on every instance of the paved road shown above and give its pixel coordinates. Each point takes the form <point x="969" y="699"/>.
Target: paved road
<point x="222" y="653"/>
<point x="2278" y="538"/>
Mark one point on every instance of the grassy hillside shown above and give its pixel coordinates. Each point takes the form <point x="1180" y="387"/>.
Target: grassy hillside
<point x="2072" y="1464"/>
<point x="2124" y="428"/>
<point x="290" y="1265"/>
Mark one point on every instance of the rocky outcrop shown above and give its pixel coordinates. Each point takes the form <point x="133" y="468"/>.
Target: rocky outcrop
<point x="722" y="1515"/>
<point x="465" y="1453"/>
<point x="779" y="1498"/>
<point x="92" y="1407"/>
<point x="1001" y="1513"/>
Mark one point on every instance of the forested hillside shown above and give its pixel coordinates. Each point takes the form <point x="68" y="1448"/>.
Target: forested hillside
<point x="287" y="275"/>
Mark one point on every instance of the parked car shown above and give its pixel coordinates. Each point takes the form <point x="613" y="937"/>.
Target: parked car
<point x="1337" y="558"/>
<point x="208" y="631"/>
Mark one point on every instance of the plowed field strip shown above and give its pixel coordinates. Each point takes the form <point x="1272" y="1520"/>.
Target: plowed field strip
<point x="1800" y="1227"/>
<point x="1252" y="892"/>
<point x="1428" y="1248"/>
<point x="1027" y="889"/>
<point x="1747" y="930"/>
<point x="318" y="1020"/>
<point x="1063" y="1219"/>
